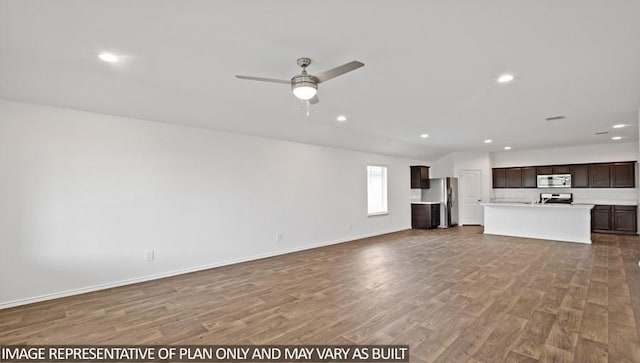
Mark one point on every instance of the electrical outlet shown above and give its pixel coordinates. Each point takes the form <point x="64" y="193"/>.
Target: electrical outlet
<point x="149" y="255"/>
<point x="351" y="227"/>
<point x="278" y="236"/>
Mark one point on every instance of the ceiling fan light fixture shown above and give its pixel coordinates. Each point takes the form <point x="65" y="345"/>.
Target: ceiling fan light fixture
<point x="305" y="91"/>
<point x="304" y="86"/>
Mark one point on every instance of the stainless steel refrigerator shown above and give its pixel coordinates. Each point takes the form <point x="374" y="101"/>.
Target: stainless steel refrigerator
<point x="445" y="192"/>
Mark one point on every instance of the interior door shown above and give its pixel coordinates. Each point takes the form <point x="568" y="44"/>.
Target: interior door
<point x="470" y="197"/>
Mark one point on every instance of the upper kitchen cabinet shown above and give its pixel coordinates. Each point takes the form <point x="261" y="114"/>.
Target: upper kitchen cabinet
<point x="499" y="178"/>
<point x="623" y="175"/>
<point x="530" y="178"/>
<point x="419" y="177"/>
<point x="600" y="175"/>
<point x="616" y="175"/>
<point x="580" y="176"/>
<point x="514" y="177"/>
<point x="555" y="169"/>
<point x="561" y="169"/>
<point x="545" y="170"/>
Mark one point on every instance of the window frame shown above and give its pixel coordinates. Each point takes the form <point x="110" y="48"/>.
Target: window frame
<point x="385" y="189"/>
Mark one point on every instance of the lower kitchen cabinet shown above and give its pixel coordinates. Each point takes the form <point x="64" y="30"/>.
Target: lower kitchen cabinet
<point x="625" y="219"/>
<point x="620" y="219"/>
<point x="601" y="218"/>
<point x="425" y="216"/>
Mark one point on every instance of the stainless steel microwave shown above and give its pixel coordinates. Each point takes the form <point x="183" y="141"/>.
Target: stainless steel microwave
<point x="554" y="181"/>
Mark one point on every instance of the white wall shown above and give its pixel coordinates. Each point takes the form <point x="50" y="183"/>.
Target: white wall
<point x="613" y="151"/>
<point x="84" y="195"/>
<point x="614" y="196"/>
<point x="442" y="167"/>
<point x="451" y="164"/>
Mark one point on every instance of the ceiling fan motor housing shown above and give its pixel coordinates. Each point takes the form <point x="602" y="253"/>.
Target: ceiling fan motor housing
<point x="304" y="80"/>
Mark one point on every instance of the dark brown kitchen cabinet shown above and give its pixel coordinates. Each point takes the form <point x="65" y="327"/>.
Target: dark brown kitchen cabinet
<point x="600" y="175"/>
<point x="580" y="176"/>
<point x="625" y="219"/>
<point x="529" y="177"/>
<point x="419" y="177"/>
<point x="623" y="175"/>
<point x="425" y="216"/>
<point x="613" y="175"/>
<point x="499" y="178"/>
<point x="620" y="219"/>
<point x="545" y="170"/>
<point x="601" y="218"/>
<point x="514" y="177"/>
<point x="561" y="169"/>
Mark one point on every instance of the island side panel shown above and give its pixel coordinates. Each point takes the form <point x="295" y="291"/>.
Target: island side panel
<point x="567" y="224"/>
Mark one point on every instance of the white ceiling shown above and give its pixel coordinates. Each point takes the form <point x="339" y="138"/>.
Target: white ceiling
<point x="430" y="68"/>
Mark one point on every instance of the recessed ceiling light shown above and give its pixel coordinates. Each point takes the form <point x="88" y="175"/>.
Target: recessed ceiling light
<point x="341" y="118"/>
<point x="507" y="147"/>
<point x="424" y="136"/>
<point x="505" y="78"/>
<point x="616" y="138"/>
<point x="488" y="141"/>
<point x="108" y="57"/>
<point x="619" y="126"/>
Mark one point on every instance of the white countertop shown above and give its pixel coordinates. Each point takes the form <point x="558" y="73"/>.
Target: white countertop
<point x="609" y="202"/>
<point x="537" y="205"/>
<point x="412" y="202"/>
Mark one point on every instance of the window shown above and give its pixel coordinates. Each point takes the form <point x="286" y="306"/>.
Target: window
<point x="376" y="190"/>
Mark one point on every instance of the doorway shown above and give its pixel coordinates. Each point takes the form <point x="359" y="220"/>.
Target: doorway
<point x="470" y="197"/>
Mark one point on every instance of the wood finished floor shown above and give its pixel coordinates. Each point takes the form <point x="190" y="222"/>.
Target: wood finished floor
<point x="452" y="295"/>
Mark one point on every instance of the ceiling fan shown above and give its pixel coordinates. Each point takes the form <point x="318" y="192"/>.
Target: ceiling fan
<point x="304" y="85"/>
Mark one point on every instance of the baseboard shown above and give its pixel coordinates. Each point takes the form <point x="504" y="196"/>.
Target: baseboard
<point x="109" y="285"/>
<point x="614" y="232"/>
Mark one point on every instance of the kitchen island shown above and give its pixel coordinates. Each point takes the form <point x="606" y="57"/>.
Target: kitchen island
<point x="557" y="222"/>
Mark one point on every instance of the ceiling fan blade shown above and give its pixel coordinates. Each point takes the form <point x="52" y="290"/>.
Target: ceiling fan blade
<point x="313" y="100"/>
<point x="337" y="71"/>
<point x="273" y="80"/>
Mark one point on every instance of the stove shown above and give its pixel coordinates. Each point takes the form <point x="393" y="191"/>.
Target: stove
<point x="561" y="198"/>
